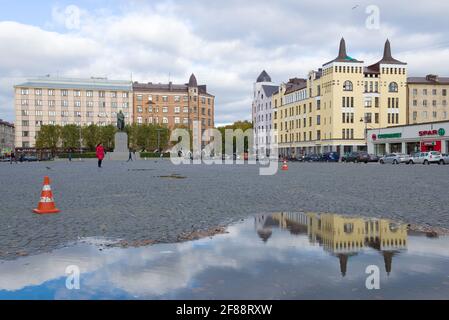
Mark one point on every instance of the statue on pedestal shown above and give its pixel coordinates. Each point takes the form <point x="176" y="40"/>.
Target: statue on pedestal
<point x="120" y="121"/>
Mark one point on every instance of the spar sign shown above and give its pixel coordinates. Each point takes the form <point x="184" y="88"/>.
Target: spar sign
<point x="425" y="133"/>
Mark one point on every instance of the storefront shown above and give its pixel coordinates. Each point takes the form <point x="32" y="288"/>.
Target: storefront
<point x="410" y="139"/>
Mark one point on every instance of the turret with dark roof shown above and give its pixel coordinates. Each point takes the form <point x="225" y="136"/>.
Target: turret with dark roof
<point x="386" y="59"/>
<point x="192" y="81"/>
<point x="263" y="77"/>
<point x="342" y="54"/>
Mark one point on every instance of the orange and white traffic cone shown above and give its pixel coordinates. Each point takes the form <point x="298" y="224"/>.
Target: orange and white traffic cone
<point x="285" y="166"/>
<point x="46" y="204"/>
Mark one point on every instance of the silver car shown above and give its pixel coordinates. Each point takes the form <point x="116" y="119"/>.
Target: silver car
<point x="395" y="158"/>
<point x="427" y="158"/>
<point x="445" y="158"/>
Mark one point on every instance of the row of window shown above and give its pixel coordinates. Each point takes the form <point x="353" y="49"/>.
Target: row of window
<point x="434" y="92"/>
<point x="165" y="120"/>
<point x="152" y="109"/>
<point x="424" y="115"/>
<point x="78" y="104"/>
<point x="40" y="113"/>
<point x="76" y="93"/>
<point x="424" y="103"/>
<point x="355" y="69"/>
<point x="151" y="98"/>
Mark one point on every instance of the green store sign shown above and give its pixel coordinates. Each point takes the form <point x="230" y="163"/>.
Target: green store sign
<point x="389" y="136"/>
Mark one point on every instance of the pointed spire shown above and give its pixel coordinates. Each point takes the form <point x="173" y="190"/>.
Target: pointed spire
<point x="192" y="81"/>
<point x="343" y="264"/>
<point x="387" y="51"/>
<point x="263" y="77"/>
<point x="342" y="51"/>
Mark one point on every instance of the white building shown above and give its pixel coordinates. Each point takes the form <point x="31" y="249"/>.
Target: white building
<point x="407" y="139"/>
<point x="262" y="112"/>
<point x="62" y="101"/>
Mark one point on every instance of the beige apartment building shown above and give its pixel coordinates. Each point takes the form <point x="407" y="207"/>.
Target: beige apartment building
<point x="332" y="109"/>
<point x="173" y="105"/>
<point x="62" y="101"/>
<point x="6" y="137"/>
<point x="427" y="99"/>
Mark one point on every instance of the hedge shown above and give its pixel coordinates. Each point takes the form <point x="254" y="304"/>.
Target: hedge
<point x="84" y="155"/>
<point x="154" y="155"/>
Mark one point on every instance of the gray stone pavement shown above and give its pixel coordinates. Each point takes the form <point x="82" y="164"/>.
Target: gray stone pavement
<point x="130" y="201"/>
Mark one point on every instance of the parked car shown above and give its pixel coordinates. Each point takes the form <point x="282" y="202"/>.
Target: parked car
<point x="30" y="158"/>
<point x="427" y="158"/>
<point x="365" y="157"/>
<point x="395" y="158"/>
<point x="312" y="158"/>
<point x="351" y="157"/>
<point x="445" y="158"/>
<point x="331" y="157"/>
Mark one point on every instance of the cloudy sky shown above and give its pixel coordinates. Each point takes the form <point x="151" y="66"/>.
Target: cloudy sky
<point x="225" y="43"/>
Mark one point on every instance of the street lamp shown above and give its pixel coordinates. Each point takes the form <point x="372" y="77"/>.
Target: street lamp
<point x="364" y="119"/>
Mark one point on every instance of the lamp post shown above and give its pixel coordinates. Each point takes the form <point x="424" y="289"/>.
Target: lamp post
<point x="364" y="120"/>
<point x="158" y="139"/>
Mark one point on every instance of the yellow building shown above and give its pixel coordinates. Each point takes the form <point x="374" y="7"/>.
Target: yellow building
<point x="427" y="99"/>
<point x="333" y="108"/>
<point x="345" y="236"/>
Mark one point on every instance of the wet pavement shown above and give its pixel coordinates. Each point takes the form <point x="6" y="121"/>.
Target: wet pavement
<point x="155" y="201"/>
<point x="278" y="256"/>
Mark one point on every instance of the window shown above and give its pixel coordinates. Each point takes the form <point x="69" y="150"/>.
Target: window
<point x="51" y="103"/>
<point x="139" y="109"/>
<point x="185" y="120"/>
<point x="125" y="95"/>
<point x="444" y="92"/>
<point x="415" y="103"/>
<point x="24" y="102"/>
<point x="415" y="115"/>
<point x="64" y="103"/>
<point x="64" y="93"/>
<point x="164" y="109"/>
<point x="90" y="104"/>
<point x="125" y="105"/>
<point x="150" y="109"/>
<point x="393" y="87"/>
<point x="368" y="118"/>
<point x="38" y="92"/>
<point x="177" y="109"/>
<point x="150" y="98"/>
<point x="376" y="118"/>
<point x="89" y="94"/>
<point x="38" y="103"/>
<point x="185" y="110"/>
<point x="139" y="120"/>
<point x="51" y="92"/>
<point x="113" y="94"/>
<point x="164" y="98"/>
<point x="434" y="92"/>
<point x="102" y="94"/>
<point x="424" y="92"/>
<point x="177" y="120"/>
<point x="24" y="92"/>
<point x="424" y="103"/>
<point x="434" y="103"/>
<point x="139" y="98"/>
<point x="164" y="120"/>
<point x="177" y="98"/>
<point x="113" y="104"/>
<point x="77" y="114"/>
<point x="415" y="92"/>
<point x="78" y="104"/>
<point x="52" y="113"/>
<point x="77" y="93"/>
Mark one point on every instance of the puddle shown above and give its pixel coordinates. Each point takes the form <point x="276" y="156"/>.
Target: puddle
<point x="279" y="256"/>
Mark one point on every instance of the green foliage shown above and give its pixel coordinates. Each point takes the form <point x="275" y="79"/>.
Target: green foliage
<point x="87" y="155"/>
<point x="107" y="136"/>
<point x="243" y="125"/>
<point x="70" y="136"/>
<point x="145" y="136"/>
<point x="153" y="155"/>
<point x="91" y="136"/>
<point x="48" y="137"/>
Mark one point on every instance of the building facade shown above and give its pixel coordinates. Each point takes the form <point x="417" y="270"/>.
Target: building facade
<point x="173" y="105"/>
<point x="427" y="99"/>
<point x="432" y="136"/>
<point x="263" y="112"/>
<point x="62" y="101"/>
<point x="334" y="107"/>
<point x="7" y="137"/>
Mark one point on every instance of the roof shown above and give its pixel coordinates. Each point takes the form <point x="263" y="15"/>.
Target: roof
<point x="386" y="59"/>
<point x="6" y="123"/>
<point x="270" y="90"/>
<point x="342" y="55"/>
<point x="77" y="83"/>
<point x="430" y="79"/>
<point x="168" y="88"/>
<point x="295" y="84"/>
<point x="192" y="81"/>
<point x="263" y="77"/>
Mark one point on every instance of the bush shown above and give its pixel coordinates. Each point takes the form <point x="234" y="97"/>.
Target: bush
<point x="154" y="155"/>
<point x="84" y="155"/>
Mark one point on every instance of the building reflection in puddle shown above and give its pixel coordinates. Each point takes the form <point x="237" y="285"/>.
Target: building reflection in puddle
<point x="341" y="236"/>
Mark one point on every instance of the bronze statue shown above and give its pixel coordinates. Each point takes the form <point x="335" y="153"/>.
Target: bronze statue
<point x="120" y="121"/>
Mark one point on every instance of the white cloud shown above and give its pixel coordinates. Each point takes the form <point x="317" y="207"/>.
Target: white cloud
<point x="226" y="44"/>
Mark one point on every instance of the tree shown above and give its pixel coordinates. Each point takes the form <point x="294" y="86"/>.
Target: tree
<point x="243" y="125"/>
<point x="48" y="137"/>
<point x="70" y="136"/>
<point x="91" y="136"/>
<point x="107" y="136"/>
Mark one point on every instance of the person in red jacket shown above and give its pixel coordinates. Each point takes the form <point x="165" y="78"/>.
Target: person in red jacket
<point x="100" y="154"/>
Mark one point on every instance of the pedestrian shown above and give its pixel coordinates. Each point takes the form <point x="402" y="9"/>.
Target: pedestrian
<point x="12" y="157"/>
<point x="100" y="154"/>
<point x="70" y="155"/>
<point x="130" y="157"/>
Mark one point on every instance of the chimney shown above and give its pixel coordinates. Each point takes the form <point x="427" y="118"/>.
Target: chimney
<point x="170" y="86"/>
<point x="432" y="77"/>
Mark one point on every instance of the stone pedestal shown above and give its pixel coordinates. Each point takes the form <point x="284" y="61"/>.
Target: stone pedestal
<point x="121" y="151"/>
